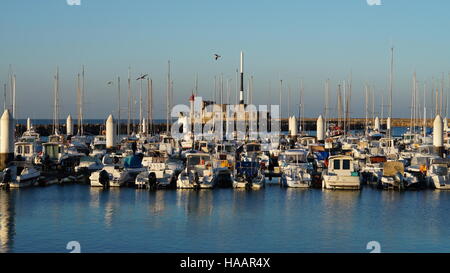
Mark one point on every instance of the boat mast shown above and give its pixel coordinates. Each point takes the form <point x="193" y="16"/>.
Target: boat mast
<point x="79" y="103"/>
<point x="367" y="108"/>
<point x="55" y="102"/>
<point x="391" y="85"/>
<point x="118" y="107"/>
<point x="327" y="103"/>
<point x="14" y="96"/>
<point x="82" y="99"/>
<point x="425" y="110"/>
<point x="140" y="107"/>
<point x="349" y="99"/>
<point x="281" y="89"/>
<point x="344" y="85"/>
<point x="129" y="103"/>
<point x="168" y="98"/>
<point x="4" y="97"/>
<point x="339" y="106"/>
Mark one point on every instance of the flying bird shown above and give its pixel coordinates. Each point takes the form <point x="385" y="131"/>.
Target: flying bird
<point x="142" y="77"/>
<point x="216" y="56"/>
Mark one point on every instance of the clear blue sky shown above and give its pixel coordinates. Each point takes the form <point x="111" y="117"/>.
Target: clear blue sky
<point x="309" y="39"/>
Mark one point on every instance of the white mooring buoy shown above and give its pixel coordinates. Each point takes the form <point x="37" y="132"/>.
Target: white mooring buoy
<point x="320" y="129"/>
<point x="6" y="139"/>
<point x="376" y="126"/>
<point x="292" y="126"/>
<point x="438" y="135"/>
<point x="28" y="124"/>
<point x="69" y="126"/>
<point x="110" y="132"/>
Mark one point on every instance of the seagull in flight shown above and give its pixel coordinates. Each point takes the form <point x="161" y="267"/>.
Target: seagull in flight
<point x="142" y="77"/>
<point x="216" y="56"/>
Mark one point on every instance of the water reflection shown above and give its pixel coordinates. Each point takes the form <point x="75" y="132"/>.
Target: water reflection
<point x="7" y="220"/>
<point x="339" y="209"/>
<point x="195" y="202"/>
<point x="107" y="200"/>
<point x="156" y="200"/>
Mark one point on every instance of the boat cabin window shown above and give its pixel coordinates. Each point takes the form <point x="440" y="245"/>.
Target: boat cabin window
<point x="408" y="137"/>
<point x="19" y="149"/>
<point x="220" y="148"/>
<point x="336" y="164"/>
<point x="346" y="164"/>
<point x="27" y="149"/>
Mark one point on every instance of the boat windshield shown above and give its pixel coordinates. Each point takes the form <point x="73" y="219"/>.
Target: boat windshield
<point x="299" y="158"/>
<point x="52" y="150"/>
<point x="253" y="148"/>
<point x="89" y="159"/>
<point x="417" y="161"/>
<point x="408" y="137"/>
<point x="198" y="160"/>
<point x="99" y="146"/>
<point x="229" y="148"/>
<point x="439" y="170"/>
<point x="377" y="159"/>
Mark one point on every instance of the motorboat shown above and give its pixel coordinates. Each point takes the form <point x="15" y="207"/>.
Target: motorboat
<point x="341" y="173"/>
<point x="198" y="172"/>
<point x="159" y="174"/>
<point x="19" y="176"/>
<point x="295" y="168"/>
<point x="437" y="174"/>
<point x="113" y="174"/>
<point x="88" y="164"/>
<point x="248" y="175"/>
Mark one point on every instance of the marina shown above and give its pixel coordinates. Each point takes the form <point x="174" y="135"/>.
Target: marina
<point x="197" y="131"/>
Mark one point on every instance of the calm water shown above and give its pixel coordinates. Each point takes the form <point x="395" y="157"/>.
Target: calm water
<point x="271" y="220"/>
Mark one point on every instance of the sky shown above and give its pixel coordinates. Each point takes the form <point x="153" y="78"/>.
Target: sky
<point x="309" y="40"/>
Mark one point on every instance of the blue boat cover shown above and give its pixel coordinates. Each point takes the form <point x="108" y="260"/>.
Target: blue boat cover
<point x="248" y="168"/>
<point x="322" y="155"/>
<point x="132" y="161"/>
